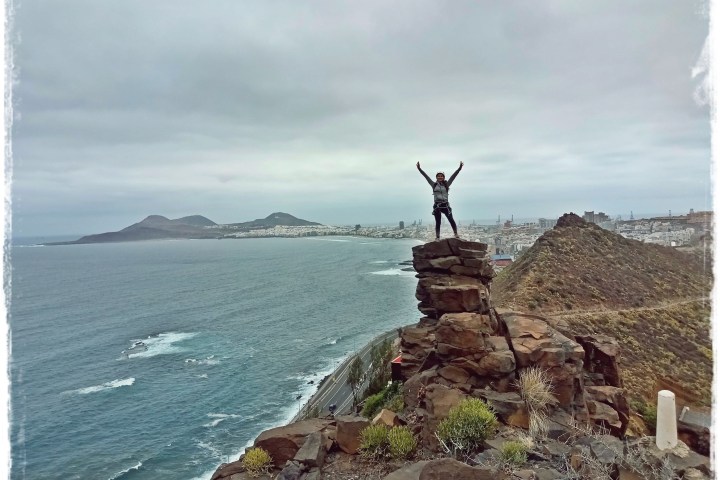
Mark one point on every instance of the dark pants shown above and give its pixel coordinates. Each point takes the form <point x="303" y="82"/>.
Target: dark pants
<point x="438" y="210"/>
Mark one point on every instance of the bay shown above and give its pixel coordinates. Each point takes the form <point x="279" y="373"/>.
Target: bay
<point x="166" y="358"/>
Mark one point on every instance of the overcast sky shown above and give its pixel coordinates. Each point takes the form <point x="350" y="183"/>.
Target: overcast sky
<point x="235" y="109"/>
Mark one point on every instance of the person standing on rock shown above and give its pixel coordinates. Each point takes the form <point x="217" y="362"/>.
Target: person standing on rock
<point x="440" y="194"/>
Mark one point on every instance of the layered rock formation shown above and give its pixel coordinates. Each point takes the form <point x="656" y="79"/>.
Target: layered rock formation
<point x="465" y="347"/>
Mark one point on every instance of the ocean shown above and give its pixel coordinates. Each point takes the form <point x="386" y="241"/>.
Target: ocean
<point x="163" y="359"/>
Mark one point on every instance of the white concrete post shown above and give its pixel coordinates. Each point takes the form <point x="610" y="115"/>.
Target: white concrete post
<point x="666" y="428"/>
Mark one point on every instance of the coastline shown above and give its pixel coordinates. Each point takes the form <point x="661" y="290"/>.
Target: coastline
<point x="322" y="385"/>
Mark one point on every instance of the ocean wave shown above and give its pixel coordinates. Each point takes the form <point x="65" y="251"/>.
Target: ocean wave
<point x="395" y="271"/>
<point x="327" y="341"/>
<point x="219" y="417"/>
<point x="206" y="361"/>
<point x="212" y="449"/>
<point x="160" y="344"/>
<point x="376" y="262"/>
<point x="127" y="470"/>
<point x="126" y="382"/>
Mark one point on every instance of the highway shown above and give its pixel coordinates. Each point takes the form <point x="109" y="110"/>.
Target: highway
<point x="335" y="389"/>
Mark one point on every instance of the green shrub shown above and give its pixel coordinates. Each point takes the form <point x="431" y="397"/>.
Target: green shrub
<point x="373" y="404"/>
<point x="401" y="442"/>
<point x="514" y="453"/>
<point x="257" y="461"/>
<point x="395" y="403"/>
<point x="467" y="426"/>
<point x="390" y="397"/>
<point x="374" y="441"/>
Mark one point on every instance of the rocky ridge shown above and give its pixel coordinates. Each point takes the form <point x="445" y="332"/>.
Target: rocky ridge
<point x="464" y="347"/>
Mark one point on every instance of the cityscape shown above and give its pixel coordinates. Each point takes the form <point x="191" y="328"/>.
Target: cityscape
<point x="508" y="239"/>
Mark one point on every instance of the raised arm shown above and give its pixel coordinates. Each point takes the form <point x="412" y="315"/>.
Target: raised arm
<point x="452" y="177"/>
<point x="425" y="175"/>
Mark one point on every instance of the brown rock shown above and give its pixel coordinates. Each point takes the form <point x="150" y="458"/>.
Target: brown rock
<point x="455" y="299"/>
<point x="440" y="399"/>
<point x="435" y="249"/>
<point x="463" y="331"/>
<point x="457" y="245"/>
<point x="601" y="353"/>
<point x="348" y="432"/>
<point x="282" y="443"/>
<point x="227" y="469"/>
<point x="444" y="263"/>
<point x="603" y="414"/>
<point x="414" y="385"/>
<point x="614" y="397"/>
<point x="510" y="408"/>
<point x="467" y="271"/>
<point x="386" y="417"/>
<point x="410" y="472"/>
<point x="454" y="374"/>
<point x="451" y="469"/>
<point x="498" y="363"/>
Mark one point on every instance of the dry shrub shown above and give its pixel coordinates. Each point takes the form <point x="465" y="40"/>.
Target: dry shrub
<point x="536" y="391"/>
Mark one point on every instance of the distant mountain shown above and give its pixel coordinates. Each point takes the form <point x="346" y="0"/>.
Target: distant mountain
<point x="653" y="299"/>
<point x="275" y="219"/>
<point x="157" y="227"/>
<point x="179" y="224"/>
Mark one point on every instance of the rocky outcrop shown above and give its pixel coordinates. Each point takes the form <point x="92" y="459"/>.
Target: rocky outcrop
<point x="452" y="277"/>
<point x="282" y="443"/>
<point x="465" y="347"/>
<point x="348" y="432"/>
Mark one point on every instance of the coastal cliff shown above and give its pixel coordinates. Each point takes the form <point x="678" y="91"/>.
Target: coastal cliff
<point x="462" y="348"/>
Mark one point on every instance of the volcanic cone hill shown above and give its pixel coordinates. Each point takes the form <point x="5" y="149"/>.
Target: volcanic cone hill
<point x="653" y="299"/>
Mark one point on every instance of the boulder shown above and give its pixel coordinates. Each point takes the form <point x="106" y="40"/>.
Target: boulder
<point x="440" y="399"/>
<point x="409" y="472"/>
<point x="604" y="415"/>
<point x="387" y="417"/>
<point x="454" y="374"/>
<point x="414" y="388"/>
<point x="451" y="469"/>
<point x="536" y="343"/>
<point x="313" y="451"/>
<point x="615" y="398"/>
<point x="348" y="432"/>
<point x="509" y="407"/>
<point x="282" y="443"/>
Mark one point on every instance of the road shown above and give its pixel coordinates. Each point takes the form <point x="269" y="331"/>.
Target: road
<point x="335" y="389"/>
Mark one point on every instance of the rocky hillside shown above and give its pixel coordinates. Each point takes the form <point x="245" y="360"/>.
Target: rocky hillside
<point x="653" y="299"/>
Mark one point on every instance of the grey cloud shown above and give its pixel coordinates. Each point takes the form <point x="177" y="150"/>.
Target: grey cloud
<point x="252" y="101"/>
